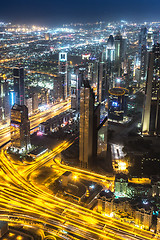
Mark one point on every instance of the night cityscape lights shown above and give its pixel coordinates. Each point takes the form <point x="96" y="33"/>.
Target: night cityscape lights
<point x="79" y="131"/>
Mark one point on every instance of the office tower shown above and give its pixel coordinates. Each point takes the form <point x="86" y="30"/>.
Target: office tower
<point x="20" y="128"/>
<point x="120" y="50"/>
<point x="74" y="91"/>
<point x="151" y="111"/>
<point x="4" y="100"/>
<point x="110" y="61"/>
<point x="63" y="81"/>
<point x="150" y="41"/>
<point x="86" y="125"/>
<point x="142" y="39"/>
<point x="90" y="72"/>
<point x="102" y="82"/>
<point x="142" y="52"/>
<point x="156" y="37"/>
<point x="79" y="76"/>
<point x="18" y="74"/>
<point x="110" y="49"/>
<point x="144" y="62"/>
<point x="117" y="104"/>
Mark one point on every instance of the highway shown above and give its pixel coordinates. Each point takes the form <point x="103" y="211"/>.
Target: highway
<point x="36" y="119"/>
<point x="25" y="203"/>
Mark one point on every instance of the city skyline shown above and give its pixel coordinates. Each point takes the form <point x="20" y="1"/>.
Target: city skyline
<point x="79" y="123"/>
<point x="53" y="13"/>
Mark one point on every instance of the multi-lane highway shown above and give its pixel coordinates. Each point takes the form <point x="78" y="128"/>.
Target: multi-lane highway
<point x="36" y="119"/>
<point x="25" y="203"/>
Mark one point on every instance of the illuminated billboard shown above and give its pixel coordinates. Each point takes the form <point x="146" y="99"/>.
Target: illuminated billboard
<point x="63" y="57"/>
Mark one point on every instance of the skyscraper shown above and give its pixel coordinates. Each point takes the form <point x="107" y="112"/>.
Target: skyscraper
<point x="102" y="82"/>
<point x="120" y="50"/>
<point x="151" y="112"/>
<point x="63" y="81"/>
<point x="143" y="56"/>
<point x="142" y="39"/>
<point x="150" y="40"/>
<point x="110" y="49"/>
<point x="18" y="74"/>
<point x="20" y="127"/>
<point x="86" y="125"/>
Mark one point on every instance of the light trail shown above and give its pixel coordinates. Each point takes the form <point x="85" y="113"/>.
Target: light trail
<point x="24" y="200"/>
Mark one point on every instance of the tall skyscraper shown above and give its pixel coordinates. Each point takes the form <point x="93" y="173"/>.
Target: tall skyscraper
<point x="120" y="50"/>
<point x="150" y="40"/>
<point x="142" y="39"/>
<point x="110" y="49"/>
<point x="74" y="91"/>
<point x="63" y="81"/>
<point x="86" y="125"/>
<point x="102" y="82"/>
<point x="144" y="62"/>
<point x="151" y="113"/>
<point x="18" y="74"/>
<point x="20" y="128"/>
<point x="143" y="55"/>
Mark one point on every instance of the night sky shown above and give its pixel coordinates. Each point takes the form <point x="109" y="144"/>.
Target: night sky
<point x="51" y="12"/>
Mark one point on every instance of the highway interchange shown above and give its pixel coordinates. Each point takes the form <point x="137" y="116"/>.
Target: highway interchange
<point x="23" y="202"/>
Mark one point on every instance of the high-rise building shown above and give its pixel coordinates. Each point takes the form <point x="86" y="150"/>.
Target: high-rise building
<point x="120" y="50"/>
<point x="102" y="82"/>
<point x="86" y="125"/>
<point x="142" y="39"/>
<point x="20" y="128"/>
<point x="76" y="82"/>
<point x="18" y="74"/>
<point x="144" y="62"/>
<point x="151" y="112"/>
<point x="150" y="40"/>
<point x="110" y="49"/>
<point x="143" y="55"/>
<point x="117" y="105"/>
<point x="4" y="100"/>
<point x="63" y="81"/>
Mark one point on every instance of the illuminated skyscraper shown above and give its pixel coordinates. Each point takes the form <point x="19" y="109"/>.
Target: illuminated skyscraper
<point x="20" y="128"/>
<point x="143" y="56"/>
<point x="150" y="40"/>
<point x="63" y="81"/>
<point x="18" y="74"/>
<point x="142" y="39"/>
<point x="102" y="82"/>
<point x="120" y="50"/>
<point x="110" y="49"/>
<point x="86" y="125"/>
<point x="151" y="113"/>
<point x="144" y="62"/>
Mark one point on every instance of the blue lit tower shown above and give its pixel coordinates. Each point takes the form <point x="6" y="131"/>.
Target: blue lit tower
<point x="18" y="74"/>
